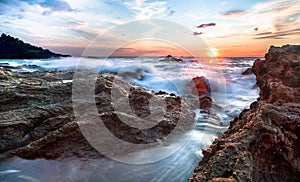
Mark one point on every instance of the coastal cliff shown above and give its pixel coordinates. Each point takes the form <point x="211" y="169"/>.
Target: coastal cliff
<point x="263" y="142"/>
<point x="13" y="48"/>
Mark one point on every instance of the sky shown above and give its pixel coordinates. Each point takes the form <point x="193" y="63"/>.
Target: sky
<point x="229" y="28"/>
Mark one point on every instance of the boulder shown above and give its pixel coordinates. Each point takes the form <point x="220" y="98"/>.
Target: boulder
<point x="200" y="86"/>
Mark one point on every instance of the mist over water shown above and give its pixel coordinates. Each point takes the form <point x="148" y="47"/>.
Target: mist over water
<point x="231" y="93"/>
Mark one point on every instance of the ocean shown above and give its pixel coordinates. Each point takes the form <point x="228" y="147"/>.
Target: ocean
<point x="230" y="90"/>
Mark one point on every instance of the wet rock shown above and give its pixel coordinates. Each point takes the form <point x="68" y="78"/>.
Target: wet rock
<point x="248" y="71"/>
<point x="170" y="58"/>
<point x="137" y="109"/>
<point x="200" y="86"/>
<point x="37" y="118"/>
<point x="262" y="144"/>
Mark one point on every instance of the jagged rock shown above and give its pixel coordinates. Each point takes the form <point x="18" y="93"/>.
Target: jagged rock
<point x="37" y="119"/>
<point x="262" y="144"/>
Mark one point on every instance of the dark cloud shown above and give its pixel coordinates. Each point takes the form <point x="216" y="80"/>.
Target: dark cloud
<point x="171" y="12"/>
<point x="264" y="33"/>
<point x="206" y="25"/>
<point x="233" y="13"/>
<point x="271" y="37"/>
<point x="198" y="33"/>
<point x="277" y="35"/>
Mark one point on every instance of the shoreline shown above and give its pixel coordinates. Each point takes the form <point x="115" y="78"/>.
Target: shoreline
<point x="56" y="78"/>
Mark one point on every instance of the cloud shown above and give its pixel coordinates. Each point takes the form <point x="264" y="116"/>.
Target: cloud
<point x="206" y="25"/>
<point x="232" y="13"/>
<point x="79" y="27"/>
<point x="143" y="9"/>
<point x="264" y="33"/>
<point x="264" y="20"/>
<point x="49" y="6"/>
<point x="171" y="12"/>
<point x="277" y="35"/>
<point x="112" y="2"/>
<point x="230" y="36"/>
<point x="198" y="33"/>
<point x="54" y="6"/>
<point x="86" y="34"/>
<point x="273" y="7"/>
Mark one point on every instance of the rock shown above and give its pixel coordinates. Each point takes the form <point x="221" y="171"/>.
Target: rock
<point x="37" y="118"/>
<point x="200" y="86"/>
<point x="139" y="100"/>
<point x="262" y="144"/>
<point x="248" y="71"/>
<point x="161" y="93"/>
<point x="205" y="102"/>
<point x="32" y="106"/>
<point x="171" y="59"/>
<point x="13" y="48"/>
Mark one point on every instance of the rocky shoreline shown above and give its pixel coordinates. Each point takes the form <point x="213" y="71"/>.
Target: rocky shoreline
<point x="262" y="143"/>
<point x="37" y="118"/>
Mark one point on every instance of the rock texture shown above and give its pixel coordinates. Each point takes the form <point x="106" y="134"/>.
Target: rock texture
<point x="262" y="143"/>
<point x="37" y="118"/>
<point x="13" y="48"/>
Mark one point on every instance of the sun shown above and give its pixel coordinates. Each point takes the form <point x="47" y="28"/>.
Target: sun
<point x="214" y="52"/>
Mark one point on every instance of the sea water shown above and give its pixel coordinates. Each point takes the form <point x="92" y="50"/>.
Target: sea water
<point x="231" y="92"/>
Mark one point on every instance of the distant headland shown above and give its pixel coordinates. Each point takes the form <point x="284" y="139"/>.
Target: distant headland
<point x="13" y="48"/>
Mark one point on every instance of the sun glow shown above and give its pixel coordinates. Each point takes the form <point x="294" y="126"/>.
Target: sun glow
<point x="214" y="52"/>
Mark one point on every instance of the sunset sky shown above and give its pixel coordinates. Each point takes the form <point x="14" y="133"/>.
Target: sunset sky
<point x="230" y="28"/>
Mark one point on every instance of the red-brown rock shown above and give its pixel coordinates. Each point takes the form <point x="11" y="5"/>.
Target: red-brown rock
<point x="262" y="144"/>
<point x="200" y="86"/>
